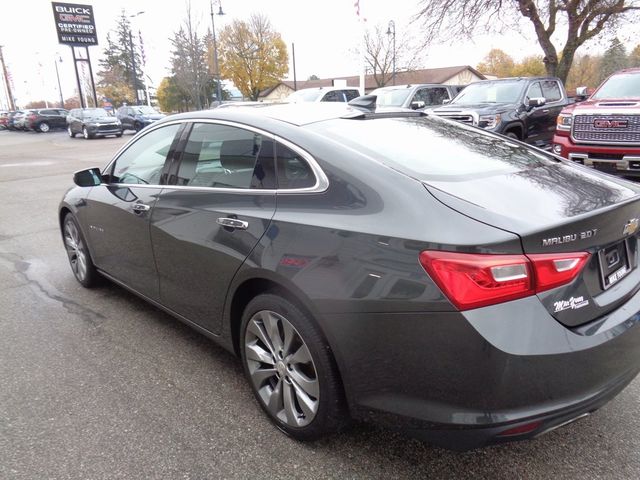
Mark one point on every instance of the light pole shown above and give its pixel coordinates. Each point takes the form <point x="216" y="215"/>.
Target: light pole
<point x="57" y="59"/>
<point x="133" y="60"/>
<point x="215" y="51"/>
<point x="391" y="30"/>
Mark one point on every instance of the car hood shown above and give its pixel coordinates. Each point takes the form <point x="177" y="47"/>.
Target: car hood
<point x="625" y="106"/>
<point x="481" y="108"/>
<point x="101" y="119"/>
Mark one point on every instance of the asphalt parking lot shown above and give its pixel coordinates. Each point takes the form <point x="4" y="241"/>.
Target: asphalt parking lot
<point x="98" y="384"/>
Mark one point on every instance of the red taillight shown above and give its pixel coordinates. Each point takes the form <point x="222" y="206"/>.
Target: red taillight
<point x="521" y="429"/>
<point x="555" y="269"/>
<point x="477" y="280"/>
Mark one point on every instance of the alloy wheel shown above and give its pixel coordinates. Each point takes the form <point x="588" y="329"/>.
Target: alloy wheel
<point x="44" y="127"/>
<point x="281" y="369"/>
<point x="75" y="250"/>
<point x="85" y="133"/>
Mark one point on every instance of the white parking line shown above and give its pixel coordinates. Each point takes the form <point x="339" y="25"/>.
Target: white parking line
<point x="27" y="164"/>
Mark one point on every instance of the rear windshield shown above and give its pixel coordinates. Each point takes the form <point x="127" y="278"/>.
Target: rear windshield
<point x="305" y="96"/>
<point x="491" y="92"/>
<point x="430" y="148"/>
<point x="622" y="85"/>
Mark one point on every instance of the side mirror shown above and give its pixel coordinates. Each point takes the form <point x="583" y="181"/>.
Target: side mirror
<point x="581" y="92"/>
<point x="91" y="177"/>
<point x="446" y="101"/>
<point x="537" y="102"/>
<point x="417" y="104"/>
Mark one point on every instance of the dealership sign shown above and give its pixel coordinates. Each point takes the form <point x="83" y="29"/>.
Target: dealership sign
<point x="75" y="24"/>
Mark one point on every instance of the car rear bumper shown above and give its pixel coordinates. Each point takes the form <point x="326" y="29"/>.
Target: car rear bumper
<point x="621" y="160"/>
<point x="459" y="380"/>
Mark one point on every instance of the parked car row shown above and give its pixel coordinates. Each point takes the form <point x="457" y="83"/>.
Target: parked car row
<point x="89" y="122"/>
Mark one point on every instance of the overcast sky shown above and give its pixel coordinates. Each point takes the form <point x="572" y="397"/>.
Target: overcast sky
<point x="326" y="36"/>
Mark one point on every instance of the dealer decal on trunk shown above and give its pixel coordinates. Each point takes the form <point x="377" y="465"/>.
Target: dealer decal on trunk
<point x="572" y="304"/>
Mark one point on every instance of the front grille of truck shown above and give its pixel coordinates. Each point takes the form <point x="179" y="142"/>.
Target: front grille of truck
<point x="622" y="129"/>
<point x="467" y="119"/>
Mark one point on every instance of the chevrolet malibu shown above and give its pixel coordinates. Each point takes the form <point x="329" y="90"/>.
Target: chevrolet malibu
<point x="392" y="267"/>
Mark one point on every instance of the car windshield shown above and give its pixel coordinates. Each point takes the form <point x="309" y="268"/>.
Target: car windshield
<point x="490" y="92"/>
<point x="304" y="96"/>
<point x="391" y="98"/>
<point x="622" y="85"/>
<point x="95" y="112"/>
<point x="145" y="110"/>
<point x="429" y="148"/>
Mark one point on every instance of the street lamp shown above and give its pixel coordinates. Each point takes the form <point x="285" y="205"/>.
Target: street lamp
<point x="215" y="51"/>
<point x="133" y="60"/>
<point x="57" y="59"/>
<point x="391" y="30"/>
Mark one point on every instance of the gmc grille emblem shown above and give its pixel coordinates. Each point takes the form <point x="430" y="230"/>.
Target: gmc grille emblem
<point x="603" y="123"/>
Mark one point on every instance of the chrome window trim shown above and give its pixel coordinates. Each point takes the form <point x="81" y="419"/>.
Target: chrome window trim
<point x="321" y="183"/>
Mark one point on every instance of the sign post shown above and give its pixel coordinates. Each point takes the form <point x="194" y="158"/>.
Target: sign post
<point x="76" y="27"/>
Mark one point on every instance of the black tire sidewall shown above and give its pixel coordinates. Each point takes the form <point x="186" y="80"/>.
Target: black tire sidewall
<point x="330" y="416"/>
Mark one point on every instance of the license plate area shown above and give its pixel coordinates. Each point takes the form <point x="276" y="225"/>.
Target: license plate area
<point x="614" y="263"/>
<point x="609" y="167"/>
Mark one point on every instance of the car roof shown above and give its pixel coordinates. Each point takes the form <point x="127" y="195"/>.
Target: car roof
<point x="410" y="85"/>
<point x="325" y="89"/>
<point x="294" y="113"/>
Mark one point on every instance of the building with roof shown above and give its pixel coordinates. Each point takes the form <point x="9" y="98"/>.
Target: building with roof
<point x="458" y="75"/>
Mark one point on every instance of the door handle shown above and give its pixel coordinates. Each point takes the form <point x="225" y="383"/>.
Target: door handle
<point x="228" y="222"/>
<point x="545" y="111"/>
<point x="140" y="207"/>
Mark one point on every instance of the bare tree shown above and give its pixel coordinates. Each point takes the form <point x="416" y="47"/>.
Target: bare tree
<point x="379" y="54"/>
<point x="189" y="60"/>
<point x="576" y="20"/>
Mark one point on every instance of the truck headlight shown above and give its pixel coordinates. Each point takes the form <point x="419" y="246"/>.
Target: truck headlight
<point x="564" y="121"/>
<point x="489" y="121"/>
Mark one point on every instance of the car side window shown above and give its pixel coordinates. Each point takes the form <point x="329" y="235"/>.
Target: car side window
<point x="351" y="94"/>
<point x="293" y="170"/>
<point x="534" y="92"/>
<point x="431" y="95"/>
<point x="551" y="91"/>
<point x="221" y="156"/>
<point x="142" y="162"/>
<point x="333" y="96"/>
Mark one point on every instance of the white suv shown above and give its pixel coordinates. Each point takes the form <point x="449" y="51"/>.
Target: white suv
<point x="324" y="94"/>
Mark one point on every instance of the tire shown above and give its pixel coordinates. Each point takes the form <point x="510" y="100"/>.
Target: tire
<point x="512" y="135"/>
<point x="70" y="132"/>
<point x="78" y="253"/>
<point x="43" y="127"/>
<point x="137" y="126"/>
<point x="86" y="134"/>
<point x="298" y="386"/>
<point x="118" y="135"/>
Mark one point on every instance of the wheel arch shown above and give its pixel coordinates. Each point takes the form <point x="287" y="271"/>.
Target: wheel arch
<point x="516" y="129"/>
<point x="251" y="284"/>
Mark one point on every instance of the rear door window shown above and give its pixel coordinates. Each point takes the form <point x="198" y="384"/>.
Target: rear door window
<point x="534" y="92"/>
<point x="222" y="156"/>
<point x="333" y="96"/>
<point x="431" y="95"/>
<point x="551" y="91"/>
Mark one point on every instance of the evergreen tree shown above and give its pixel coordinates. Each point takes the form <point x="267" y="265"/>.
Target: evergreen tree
<point x="614" y="59"/>
<point x="115" y="77"/>
<point x="634" y="57"/>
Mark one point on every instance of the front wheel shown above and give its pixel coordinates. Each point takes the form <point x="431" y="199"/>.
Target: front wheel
<point x="290" y="369"/>
<point x="70" y="132"/>
<point x="512" y="135"/>
<point x="78" y="253"/>
<point x="43" y="127"/>
<point x="85" y="133"/>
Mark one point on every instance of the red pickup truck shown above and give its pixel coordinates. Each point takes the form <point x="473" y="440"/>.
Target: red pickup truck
<point x="603" y="132"/>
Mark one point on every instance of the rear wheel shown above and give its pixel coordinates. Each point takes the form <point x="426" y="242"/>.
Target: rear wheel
<point x="43" y="127"/>
<point x="137" y="126"/>
<point x="78" y="253"/>
<point x="290" y="368"/>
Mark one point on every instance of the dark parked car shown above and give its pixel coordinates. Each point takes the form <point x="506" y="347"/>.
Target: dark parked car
<point x="137" y="117"/>
<point x="92" y="122"/>
<point x="45" y="119"/>
<point x="524" y="108"/>
<point x="471" y="292"/>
